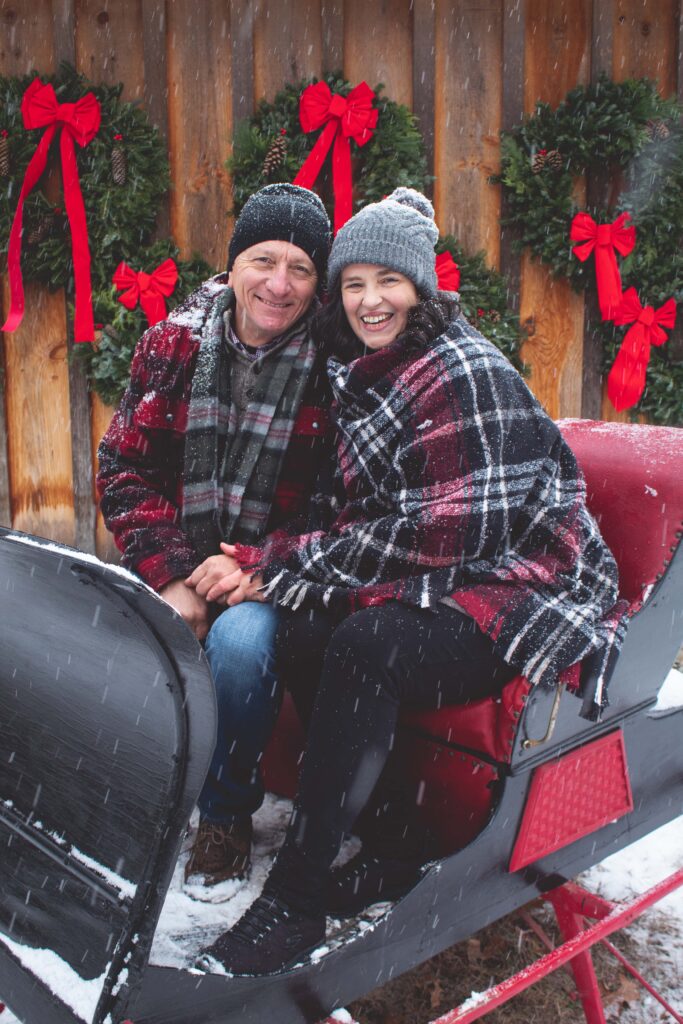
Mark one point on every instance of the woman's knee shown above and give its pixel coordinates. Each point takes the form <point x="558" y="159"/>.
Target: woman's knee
<point x="370" y="637"/>
<point x="363" y="651"/>
<point x="302" y="635"/>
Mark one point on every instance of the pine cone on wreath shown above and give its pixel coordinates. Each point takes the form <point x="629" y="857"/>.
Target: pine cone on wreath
<point x="276" y="154"/>
<point x="45" y="227"/>
<point x="657" y="130"/>
<point x="551" y="158"/>
<point x="119" y="163"/>
<point x="110" y="332"/>
<point x="4" y="154"/>
<point x="539" y="161"/>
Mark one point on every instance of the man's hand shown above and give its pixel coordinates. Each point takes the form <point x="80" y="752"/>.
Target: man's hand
<point x="220" y="579"/>
<point x="215" y="577"/>
<point x="189" y="604"/>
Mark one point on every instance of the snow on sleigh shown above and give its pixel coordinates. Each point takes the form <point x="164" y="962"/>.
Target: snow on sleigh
<point x="107" y="721"/>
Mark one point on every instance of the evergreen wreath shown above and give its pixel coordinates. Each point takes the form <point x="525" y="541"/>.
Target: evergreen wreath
<point x="107" y="362"/>
<point x="123" y="176"/>
<point x="271" y="146"/>
<point x="629" y="131"/>
<point x="483" y="297"/>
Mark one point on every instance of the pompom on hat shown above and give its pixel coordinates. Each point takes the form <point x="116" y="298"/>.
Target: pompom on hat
<point x="286" y="213"/>
<point x="399" y="232"/>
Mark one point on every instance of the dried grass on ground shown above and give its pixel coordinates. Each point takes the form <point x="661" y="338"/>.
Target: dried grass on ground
<point x="492" y="955"/>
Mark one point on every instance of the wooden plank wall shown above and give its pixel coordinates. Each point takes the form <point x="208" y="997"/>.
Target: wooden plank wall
<point x="467" y="71"/>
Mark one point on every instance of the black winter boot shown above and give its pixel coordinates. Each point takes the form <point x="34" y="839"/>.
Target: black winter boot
<point x="268" y="937"/>
<point x="365" y="880"/>
<point x="284" y="924"/>
<point x="396" y="844"/>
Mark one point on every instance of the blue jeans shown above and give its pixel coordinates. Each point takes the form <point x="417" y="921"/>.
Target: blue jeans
<point x="240" y="650"/>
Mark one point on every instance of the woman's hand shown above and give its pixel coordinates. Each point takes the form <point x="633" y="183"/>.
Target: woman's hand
<point x="215" y="577"/>
<point x="249" y="589"/>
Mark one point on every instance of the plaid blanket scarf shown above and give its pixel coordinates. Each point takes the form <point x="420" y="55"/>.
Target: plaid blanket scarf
<point x="454" y="483"/>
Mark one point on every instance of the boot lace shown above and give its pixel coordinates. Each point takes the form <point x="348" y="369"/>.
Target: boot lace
<point x="266" y="913"/>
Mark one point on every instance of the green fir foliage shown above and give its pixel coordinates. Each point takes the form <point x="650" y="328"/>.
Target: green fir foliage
<point x="107" y="364"/>
<point x="119" y="217"/>
<point x="632" y="139"/>
<point x="394" y="156"/>
<point x="484" y="300"/>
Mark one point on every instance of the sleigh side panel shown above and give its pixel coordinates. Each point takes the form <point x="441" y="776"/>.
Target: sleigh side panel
<point x="107" y="717"/>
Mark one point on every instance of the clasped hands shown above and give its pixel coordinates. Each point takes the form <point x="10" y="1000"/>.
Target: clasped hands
<point x="219" y="579"/>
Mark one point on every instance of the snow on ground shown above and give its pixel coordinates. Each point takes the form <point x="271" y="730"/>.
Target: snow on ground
<point x="187" y="923"/>
<point x="659" y="931"/>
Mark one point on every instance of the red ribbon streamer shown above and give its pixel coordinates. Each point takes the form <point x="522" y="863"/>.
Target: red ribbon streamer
<point x="626" y="380"/>
<point x="150" y="290"/>
<point x="344" y="118"/>
<point x="447" y="272"/>
<point x="604" y="239"/>
<point x="79" y="122"/>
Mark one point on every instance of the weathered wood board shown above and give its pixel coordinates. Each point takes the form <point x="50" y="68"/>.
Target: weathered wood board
<point x="200" y="68"/>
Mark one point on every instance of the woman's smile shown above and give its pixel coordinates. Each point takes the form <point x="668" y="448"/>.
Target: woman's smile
<point x="376" y="301"/>
<point x="376" y="320"/>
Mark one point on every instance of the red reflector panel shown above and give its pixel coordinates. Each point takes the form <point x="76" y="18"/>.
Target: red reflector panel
<point x="573" y="797"/>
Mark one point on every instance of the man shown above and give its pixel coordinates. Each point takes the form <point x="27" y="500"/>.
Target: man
<point x="219" y="437"/>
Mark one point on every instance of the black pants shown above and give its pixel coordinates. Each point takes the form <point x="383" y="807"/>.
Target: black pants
<point x="350" y="678"/>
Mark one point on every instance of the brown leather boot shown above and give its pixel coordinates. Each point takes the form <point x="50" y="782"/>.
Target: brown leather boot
<point x="220" y="852"/>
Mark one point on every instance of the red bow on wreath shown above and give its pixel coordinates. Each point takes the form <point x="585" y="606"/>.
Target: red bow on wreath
<point x="344" y="118"/>
<point x="626" y="380"/>
<point x="604" y="239"/>
<point x="79" y="122"/>
<point x="447" y="272"/>
<point x="150" y="290"/>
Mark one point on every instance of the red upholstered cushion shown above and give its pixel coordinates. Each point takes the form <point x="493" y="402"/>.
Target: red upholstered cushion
<point x="456" y="791"/>
<point x="634" y="482"/>
<point x="280" y="762"/>
<point x="487" y="725"/>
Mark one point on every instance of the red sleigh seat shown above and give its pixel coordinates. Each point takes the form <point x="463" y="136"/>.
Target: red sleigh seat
<point x="634" y="481"/>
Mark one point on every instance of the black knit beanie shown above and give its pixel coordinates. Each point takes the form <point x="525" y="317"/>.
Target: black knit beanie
<point x="287" y="213"/>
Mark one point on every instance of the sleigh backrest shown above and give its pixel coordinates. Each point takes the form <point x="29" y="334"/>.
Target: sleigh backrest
<point x="634" y="485"/>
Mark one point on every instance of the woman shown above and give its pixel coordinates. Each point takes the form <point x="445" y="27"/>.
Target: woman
<point x="454" y="552"/>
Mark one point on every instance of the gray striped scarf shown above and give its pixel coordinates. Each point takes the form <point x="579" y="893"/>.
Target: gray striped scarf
<point x="225" y="496"/>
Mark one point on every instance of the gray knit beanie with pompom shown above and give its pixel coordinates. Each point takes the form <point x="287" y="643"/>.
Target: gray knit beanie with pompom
<point x="399" y="233"/>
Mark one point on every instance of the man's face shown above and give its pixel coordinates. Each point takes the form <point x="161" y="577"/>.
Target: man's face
<point x="274" y="284"/>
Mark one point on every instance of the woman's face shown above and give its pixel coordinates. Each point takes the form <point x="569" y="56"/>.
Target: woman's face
<point x="376" y="302"/>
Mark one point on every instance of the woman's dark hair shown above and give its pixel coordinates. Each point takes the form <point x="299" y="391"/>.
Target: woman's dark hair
<point x="427" y="320"/>
<point x="331" y="330"/>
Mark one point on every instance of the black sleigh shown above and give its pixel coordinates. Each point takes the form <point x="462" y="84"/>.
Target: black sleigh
<point x="107" y="721"/>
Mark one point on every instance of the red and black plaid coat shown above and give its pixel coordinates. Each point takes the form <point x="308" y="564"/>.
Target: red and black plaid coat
<point x="454" y="484"/>
<point x="141" y="456"/>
